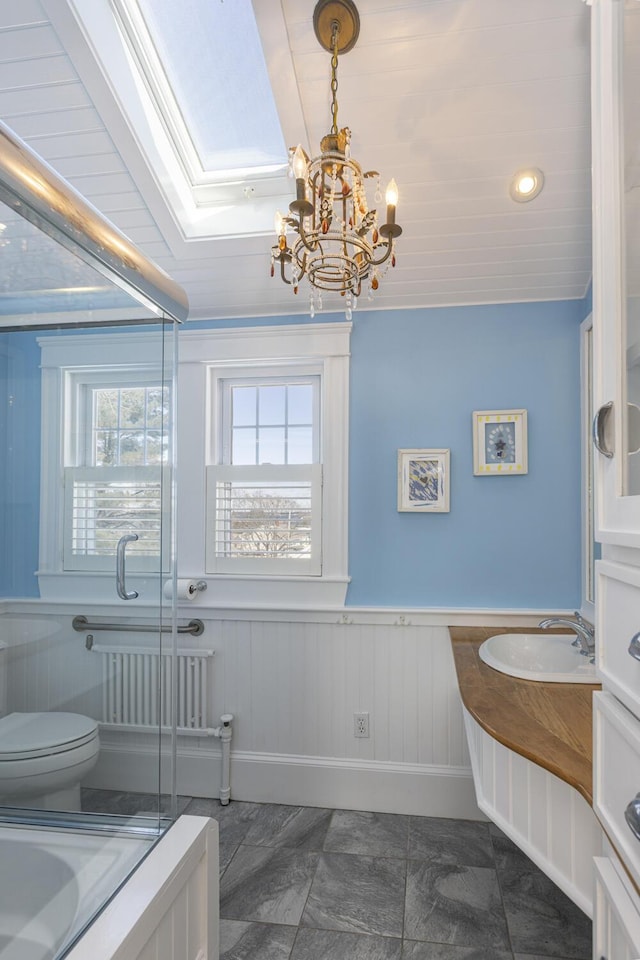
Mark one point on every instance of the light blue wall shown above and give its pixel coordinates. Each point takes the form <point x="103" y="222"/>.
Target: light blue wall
<point x="416" y="377"/>
<point x="20" y="465"/>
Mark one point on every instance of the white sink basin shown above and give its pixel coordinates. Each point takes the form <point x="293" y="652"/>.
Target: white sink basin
<point x="538" y="656"/>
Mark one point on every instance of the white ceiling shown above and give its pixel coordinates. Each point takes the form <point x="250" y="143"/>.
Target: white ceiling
<point x="450" y="97"/>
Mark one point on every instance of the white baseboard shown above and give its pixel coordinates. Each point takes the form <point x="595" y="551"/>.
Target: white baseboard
<point x="415" y="789"/>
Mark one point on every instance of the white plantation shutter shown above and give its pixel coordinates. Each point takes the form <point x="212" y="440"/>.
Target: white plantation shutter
<point x="264" y="519"/>
<point x="103" y="504"/>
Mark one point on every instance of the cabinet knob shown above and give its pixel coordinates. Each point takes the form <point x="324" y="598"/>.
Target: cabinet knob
<point x="632" y="816"/>
<point x="599" y="428"/>
<point x="634" y="646"/>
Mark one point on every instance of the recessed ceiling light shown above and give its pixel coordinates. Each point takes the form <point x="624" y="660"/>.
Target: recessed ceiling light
<point x="526" y="184"/>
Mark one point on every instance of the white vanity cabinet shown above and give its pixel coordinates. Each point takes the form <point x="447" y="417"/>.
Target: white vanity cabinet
<point x="616" y="268"/>
<point x="617" y="630"/>
<point x="616" y="429"/>
<point x="616" y="918"/>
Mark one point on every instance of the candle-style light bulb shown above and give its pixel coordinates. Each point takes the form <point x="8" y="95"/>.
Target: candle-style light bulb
<point x="391" y="195"/>
<point x="300" y="205"/>
<point x="281" y="229"/>
<point x="299" y="163"/>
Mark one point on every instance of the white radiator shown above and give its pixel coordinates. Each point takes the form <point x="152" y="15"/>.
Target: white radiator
<point x="137" y="689"/>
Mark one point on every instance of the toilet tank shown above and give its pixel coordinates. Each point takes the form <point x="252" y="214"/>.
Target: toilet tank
<point x="3" y="678"/>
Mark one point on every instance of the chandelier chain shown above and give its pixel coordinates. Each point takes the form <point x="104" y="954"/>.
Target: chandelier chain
<point x="334" y="76"/>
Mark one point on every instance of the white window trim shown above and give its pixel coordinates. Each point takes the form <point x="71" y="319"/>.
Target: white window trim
<point x="587" y="607"/>
<point x="322" y="346"/>
<point x="67" y="364"/>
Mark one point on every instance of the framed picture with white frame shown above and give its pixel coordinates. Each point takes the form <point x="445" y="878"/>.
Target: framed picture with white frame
<point x="423" y="481"/>
<point x="499" y="442"/>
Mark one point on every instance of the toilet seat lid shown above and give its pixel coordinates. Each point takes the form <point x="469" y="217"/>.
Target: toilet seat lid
<point x="26" y="735"/>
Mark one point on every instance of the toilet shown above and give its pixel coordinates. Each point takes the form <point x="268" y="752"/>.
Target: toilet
<point x="44" y="756"/>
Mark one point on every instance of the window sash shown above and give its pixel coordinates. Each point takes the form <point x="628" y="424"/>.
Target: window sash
<point x="92" y="428"/>
<point x="266" y="379"/>
<point x="102" y="504"/>
<point x="232" y="529"/>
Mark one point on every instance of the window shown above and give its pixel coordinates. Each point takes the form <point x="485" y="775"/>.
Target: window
<point x="209" y="92"/>
<point x="262" y="462"/>
<point x="126" y="425"/>
<point x="263" y="500"/>
<point x="106" y="459"/>
<point x="263" y="445"/>
<point x="189" y="55"/>
<point x="115" y="486"/>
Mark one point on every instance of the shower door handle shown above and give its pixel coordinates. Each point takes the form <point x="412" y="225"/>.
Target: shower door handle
<point x="120" y="567"/>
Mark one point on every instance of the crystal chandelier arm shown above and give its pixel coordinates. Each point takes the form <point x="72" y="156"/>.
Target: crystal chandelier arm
<point x="282" y="274"/>
<point x="313" y="246"/>
<point x="389" y="251"/>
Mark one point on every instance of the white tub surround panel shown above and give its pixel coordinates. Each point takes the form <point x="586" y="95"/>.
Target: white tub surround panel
<point x="548" y="819"/>
<point x="168" y="909"/>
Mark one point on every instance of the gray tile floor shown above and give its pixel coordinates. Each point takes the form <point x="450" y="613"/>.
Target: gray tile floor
<point x="302" y="883"/>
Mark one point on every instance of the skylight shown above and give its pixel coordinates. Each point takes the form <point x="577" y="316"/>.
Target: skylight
<point x="197" y="83"/>
<point x="204" y="65"/>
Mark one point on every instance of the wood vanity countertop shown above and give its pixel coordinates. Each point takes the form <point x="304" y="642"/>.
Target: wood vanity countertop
<point x="548" y="723"/>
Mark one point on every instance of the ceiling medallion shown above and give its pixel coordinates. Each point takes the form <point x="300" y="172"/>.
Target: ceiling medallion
<point x="337" y="242"/>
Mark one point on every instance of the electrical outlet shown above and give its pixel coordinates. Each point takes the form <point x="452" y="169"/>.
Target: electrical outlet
<point x="361" y="724"/>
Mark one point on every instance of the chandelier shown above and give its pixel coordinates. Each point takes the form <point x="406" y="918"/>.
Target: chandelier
<point x="337" y="242"/>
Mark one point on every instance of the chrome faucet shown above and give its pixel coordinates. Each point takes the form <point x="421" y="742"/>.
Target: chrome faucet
<point x="584" y="631"/>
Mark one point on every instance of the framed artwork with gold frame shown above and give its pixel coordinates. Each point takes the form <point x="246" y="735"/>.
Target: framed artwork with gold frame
<point x="499" y="442"/>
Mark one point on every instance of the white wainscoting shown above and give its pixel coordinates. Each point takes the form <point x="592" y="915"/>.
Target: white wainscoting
<point x="293" y="681"/>
<point x="543" y="815"/>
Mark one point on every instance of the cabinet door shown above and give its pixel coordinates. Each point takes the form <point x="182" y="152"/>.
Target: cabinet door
<point x="616" y="933"/>
<point x="616" y="780"/>
<point x="616" y="276"/>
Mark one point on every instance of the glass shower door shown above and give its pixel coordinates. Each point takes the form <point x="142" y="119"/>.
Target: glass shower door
<point x="87" y="354"/>
<point x="87" y="631"/>
<point x="86" y="521"/>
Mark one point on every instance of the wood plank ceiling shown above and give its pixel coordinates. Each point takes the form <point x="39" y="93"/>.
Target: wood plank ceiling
<point x="450" y="97"/>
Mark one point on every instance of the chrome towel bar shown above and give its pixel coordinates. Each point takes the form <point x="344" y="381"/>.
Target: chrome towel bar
<point x="80" y="623"/>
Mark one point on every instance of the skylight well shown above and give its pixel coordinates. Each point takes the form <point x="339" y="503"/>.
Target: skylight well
<point x="207" y="88"/>
<point x="205" y="70"/>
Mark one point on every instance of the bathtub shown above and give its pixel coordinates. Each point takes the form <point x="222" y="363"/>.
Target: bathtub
<point x="54" y="881"/>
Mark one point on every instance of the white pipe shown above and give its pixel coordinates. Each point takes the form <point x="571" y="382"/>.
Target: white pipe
<point x="190" y="674"/>
<point x="224" y="734"/>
